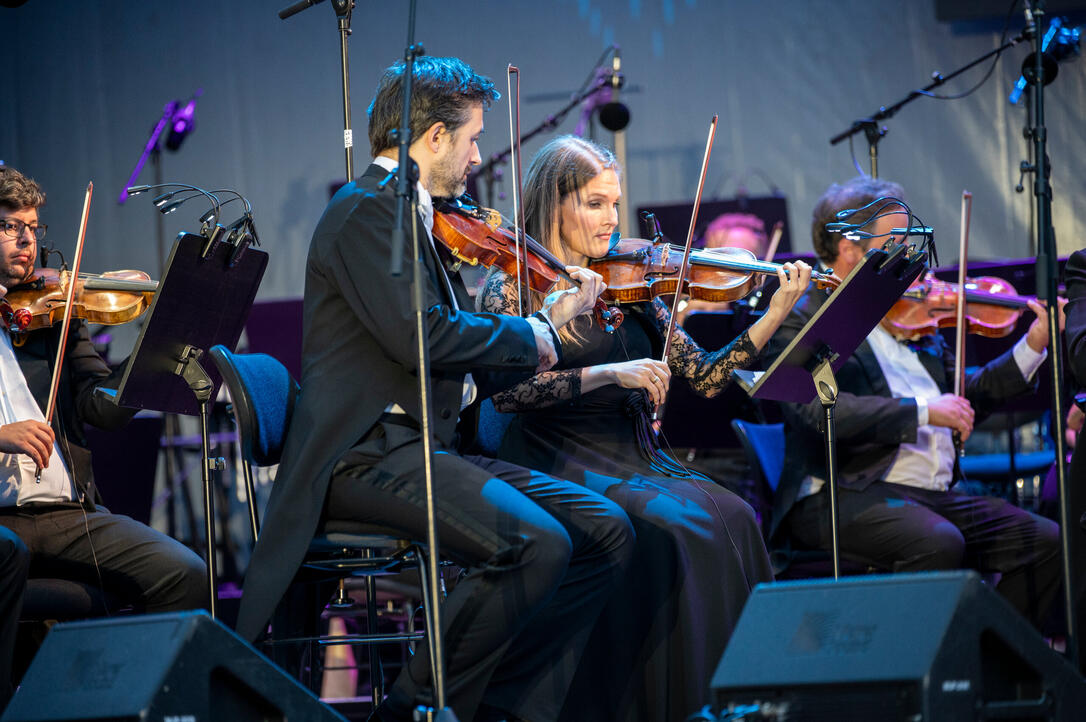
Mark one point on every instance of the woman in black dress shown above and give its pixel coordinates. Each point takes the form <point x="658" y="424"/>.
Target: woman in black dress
<point x="699" y="548"/>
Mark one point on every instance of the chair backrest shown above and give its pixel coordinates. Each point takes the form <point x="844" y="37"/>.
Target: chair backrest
<point x="764" y="447"/>
<point x="264" y="394"/>
<point x="492" y="427"/>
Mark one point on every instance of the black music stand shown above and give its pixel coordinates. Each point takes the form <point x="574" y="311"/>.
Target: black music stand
<point x="806" y="367"/>
<point x="203" y="299"/>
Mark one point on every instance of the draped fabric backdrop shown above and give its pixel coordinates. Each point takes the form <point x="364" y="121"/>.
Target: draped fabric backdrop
<point x="86" y="81"/>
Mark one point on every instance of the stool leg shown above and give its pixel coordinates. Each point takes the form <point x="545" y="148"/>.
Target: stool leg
<point x="377" y="673"/>
<point x="428" y="600"/>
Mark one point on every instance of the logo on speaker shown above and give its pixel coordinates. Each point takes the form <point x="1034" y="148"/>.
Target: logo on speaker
<point x="89" y="671"/>
<point x="820" y="632"/>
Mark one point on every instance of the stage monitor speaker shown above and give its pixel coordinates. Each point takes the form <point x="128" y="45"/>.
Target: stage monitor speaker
<point x="180" y="667"/>
<point x="934" y="646"/>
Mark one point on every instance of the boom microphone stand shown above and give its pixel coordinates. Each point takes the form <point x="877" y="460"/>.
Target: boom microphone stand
<point x="406" y="201"/>
<point x="870" y="125"/>
<point x="1037" y="74"/>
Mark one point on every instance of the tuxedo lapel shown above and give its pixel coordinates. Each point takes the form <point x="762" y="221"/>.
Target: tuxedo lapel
<point x="865" y="355"/>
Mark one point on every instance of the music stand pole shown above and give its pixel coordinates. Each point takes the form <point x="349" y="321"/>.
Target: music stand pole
<point x="826" y="387"/>
<point x="196" y="377"/>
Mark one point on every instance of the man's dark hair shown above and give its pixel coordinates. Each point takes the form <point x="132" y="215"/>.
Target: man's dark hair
<point x="18" y="192"/>
<point x="443" y="91"/>
<point x="855" y="193"/>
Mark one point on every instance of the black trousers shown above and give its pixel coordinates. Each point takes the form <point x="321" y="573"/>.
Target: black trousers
<point x="127" y="559"/>
<point x="541" y="557"/>
<point x="904" y="528"/>
<point x="14" y="562"/>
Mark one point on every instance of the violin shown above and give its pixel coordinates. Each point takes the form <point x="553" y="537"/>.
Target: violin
<point x="992" y="308"/>
<point x="638" y="270"/>
<point x="475" y="235"/>
<point x="111" y="298"/>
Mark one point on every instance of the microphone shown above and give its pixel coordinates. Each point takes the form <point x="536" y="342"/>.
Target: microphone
<point x="296" y="8"/>
<point x="182" y="122"/>
<point x="1060" y="43"/>
<point x="614" y="116"/>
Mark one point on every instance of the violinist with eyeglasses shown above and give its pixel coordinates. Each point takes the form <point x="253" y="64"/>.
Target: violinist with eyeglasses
<point x="896" y="415"/>
<point x="59" y="516"/>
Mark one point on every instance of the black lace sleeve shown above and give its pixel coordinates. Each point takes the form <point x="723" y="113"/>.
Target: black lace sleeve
<point x="707" y="371"/>
<point x="499" y="294"/>
<point x="545" y="389"/>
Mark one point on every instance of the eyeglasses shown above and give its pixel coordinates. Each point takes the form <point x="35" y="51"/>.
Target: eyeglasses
<point x="13" y="228"/>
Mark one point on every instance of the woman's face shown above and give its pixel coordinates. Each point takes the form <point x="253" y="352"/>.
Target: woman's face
<point x="588" y="216"/>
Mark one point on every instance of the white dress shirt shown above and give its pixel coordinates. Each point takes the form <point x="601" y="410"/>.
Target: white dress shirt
<point x="17" y="471"/>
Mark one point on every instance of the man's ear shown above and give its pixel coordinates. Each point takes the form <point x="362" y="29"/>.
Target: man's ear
<point x="432" y="136"/>
<point x="843" y="246"/>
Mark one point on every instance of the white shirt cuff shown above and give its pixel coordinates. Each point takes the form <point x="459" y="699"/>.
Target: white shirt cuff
<point x="1027" y="359"/>
<point x="921" y="411"/>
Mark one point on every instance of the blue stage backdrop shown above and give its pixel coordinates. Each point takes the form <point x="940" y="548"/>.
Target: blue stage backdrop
<point x="85" y="82"/>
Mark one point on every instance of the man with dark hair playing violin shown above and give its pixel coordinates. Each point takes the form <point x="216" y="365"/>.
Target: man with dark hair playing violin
<point x="895" y="419"/>
<point x="540" y="555"/>
<point x="69" y="535"/>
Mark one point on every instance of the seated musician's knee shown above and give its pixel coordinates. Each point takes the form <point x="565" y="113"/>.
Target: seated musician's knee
<point x="941" y="547"/>
<point x="614" y="533"/>
<point x="14" y="555"/>
<point x="183" y="584"/>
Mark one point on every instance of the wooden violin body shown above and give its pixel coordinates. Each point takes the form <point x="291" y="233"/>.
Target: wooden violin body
<point x="639" y="270"/>
<point x="992" y="308"/>
<point x="111" y="298"/>
<point x="475" y="235"/>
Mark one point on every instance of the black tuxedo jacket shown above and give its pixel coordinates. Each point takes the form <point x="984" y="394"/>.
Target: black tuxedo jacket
<point x="83" y="372"/>
<point x="358" y="356"/>
<point x="870" y="422"/>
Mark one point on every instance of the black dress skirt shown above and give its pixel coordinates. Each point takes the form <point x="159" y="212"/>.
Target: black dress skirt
<point x="699" y="549"/>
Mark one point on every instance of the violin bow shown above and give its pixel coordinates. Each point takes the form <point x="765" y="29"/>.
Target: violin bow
<point x="959" y="336"/>
<point x="521" y="247"/>
<point x="73" y="276"/>
<point x="774" y="241"/>
<point x="963" y="255"/>
<point x="689" y="240"/>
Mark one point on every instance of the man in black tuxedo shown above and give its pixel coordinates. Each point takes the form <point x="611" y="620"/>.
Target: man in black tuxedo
<point x="68" y="533"/>
<point x="540" y="555"/>
<point x="894" y="420"/>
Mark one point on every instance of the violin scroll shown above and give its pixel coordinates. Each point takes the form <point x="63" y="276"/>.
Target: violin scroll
<point x="475" y="235"/>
